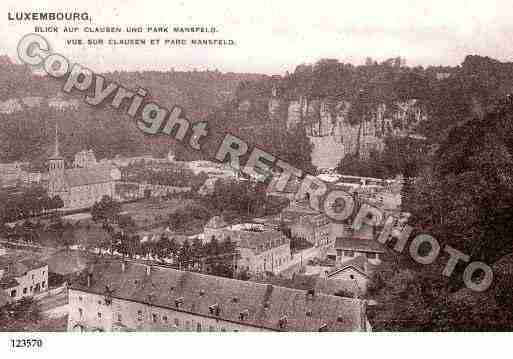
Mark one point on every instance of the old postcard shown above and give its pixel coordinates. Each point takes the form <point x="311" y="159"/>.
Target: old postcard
<point x="230" y="166"/>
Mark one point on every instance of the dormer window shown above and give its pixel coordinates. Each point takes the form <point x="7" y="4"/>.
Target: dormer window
<point x="308" y="313"/>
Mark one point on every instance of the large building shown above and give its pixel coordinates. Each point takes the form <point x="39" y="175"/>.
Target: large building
<point x="308" y="224"/>
<point x="118" y="296"/>
<point x="80" y="187"/>
<point x="261" y="249"/>
<point x="22" y="276"/>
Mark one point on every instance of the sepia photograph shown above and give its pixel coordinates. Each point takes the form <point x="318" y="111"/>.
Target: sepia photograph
<point x="272" y="166"/>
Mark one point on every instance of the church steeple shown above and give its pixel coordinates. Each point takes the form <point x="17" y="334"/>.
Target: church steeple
<point x="56" y="162"/>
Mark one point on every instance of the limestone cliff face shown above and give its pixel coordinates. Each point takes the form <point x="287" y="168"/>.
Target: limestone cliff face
<point x="334" y="136"/>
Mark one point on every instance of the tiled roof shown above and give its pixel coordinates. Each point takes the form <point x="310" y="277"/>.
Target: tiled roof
<point x="89" y="175"/>
<point x="318" y="284"/>
<point x="359" y="244"/>
<point x="333" y="286"/>
<point x="359" y="263"/>
<point x="265" y="305"/>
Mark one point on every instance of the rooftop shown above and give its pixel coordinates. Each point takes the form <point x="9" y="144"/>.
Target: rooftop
<point x="264" y="305"/>
<point x="18" y="264"/>
<point x="360" y="263"/>
<point x="359" y="244"/>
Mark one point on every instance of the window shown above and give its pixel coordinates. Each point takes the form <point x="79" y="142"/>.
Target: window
<point x="164" y="318"/>
<point x="13" y="293"/>
<point x="44" y="272"/>
<point x="211" y="328"/>
<point x="43" y="284"/>
<point x="80" y="312"/>
<point x="31" y="289"/>
<point x="33" y="276"/>
<point x="139" y="315"/>
<point x="348" y="253"/>
<point x="187" y="325"/>
<point x="25" y="290"/>
<point x="99" y="315"/>
<point x="80" y="298"/>
<point x="120" y="317"/>
<point x="177" y="322"/>
<point x="371" y="255"/>
<point x="351" y="276"/>
<point x="155" y="317"/>
<point x="198" y="327"/>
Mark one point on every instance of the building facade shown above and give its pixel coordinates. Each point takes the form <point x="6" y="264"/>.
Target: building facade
<point x="350" y="248"/>
<point x="22" y="277"/>
<point x="261" y="249"/>
<point x="80" y="187"/>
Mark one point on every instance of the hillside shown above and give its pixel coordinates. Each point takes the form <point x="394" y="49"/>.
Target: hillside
<point x="344" y="109"/>
<point x="30" y="105"/>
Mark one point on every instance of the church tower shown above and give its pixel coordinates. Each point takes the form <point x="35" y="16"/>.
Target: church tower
<point x="56" y="161"/>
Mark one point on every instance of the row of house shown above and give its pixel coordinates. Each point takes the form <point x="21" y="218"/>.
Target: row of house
<point x="119" y="296"/>
<point x="261" y="249"/>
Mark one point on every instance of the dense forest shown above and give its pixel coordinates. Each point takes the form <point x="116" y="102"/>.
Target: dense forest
<point x="463" y="197"/>
<point x="27" y="132"/>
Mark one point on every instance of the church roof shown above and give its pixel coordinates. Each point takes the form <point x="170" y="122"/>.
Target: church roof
<point x="76" y="177"/>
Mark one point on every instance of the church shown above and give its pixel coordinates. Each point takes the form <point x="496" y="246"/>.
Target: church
<point x="84" y="184"/>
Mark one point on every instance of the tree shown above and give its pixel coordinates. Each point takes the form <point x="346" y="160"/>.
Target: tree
<point x="107" y="210"/>
<point x="24" y="313"/>
<point x="185" y="255"/>
<point x="198" y="252"/>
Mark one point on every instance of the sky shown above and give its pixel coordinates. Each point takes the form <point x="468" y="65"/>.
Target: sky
<point x="275" y="36"/>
